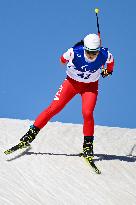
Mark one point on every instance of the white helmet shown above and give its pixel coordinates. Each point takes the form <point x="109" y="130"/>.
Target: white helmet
<point x="92" y="42"/>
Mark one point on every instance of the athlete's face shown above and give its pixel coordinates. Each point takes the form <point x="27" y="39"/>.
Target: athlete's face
<point x="91" y="54"/>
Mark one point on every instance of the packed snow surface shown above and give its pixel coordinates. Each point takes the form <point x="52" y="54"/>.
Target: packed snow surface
<point x="52" y="173"/>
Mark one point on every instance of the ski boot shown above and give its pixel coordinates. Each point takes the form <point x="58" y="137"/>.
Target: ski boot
<point x="30" y="135"/>
<point x="88" y="147"/>
<point x="25" y="140"/>
<point x="88" y="153"/>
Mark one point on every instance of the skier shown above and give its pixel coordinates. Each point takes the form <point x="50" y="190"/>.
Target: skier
<point x="84" y="62"/>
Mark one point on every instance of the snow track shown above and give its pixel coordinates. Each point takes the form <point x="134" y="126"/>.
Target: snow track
<point x="52" y="173"/>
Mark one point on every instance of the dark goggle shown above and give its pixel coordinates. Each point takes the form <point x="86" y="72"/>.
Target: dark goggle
<point x="94" y="53"/>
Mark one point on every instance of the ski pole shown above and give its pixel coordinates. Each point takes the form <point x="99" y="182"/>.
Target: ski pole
<point x="96" y="12"/>
<point x="98" y="27"/>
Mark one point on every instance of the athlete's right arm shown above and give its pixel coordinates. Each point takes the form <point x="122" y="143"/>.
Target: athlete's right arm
<point x="67" y="56"/>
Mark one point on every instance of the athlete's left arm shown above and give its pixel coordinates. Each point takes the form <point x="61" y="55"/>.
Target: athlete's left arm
<point x="109" y="66"/>
<point x="110" y="62"/>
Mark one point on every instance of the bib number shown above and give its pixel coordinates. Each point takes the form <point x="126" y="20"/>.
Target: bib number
<point x="85" y="75"/>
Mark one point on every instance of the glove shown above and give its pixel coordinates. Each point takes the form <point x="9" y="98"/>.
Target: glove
<point x="105" y="72"/>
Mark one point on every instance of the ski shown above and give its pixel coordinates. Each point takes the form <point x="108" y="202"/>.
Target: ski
<point x="20" y="145"/>
<point x="91" y="163"/>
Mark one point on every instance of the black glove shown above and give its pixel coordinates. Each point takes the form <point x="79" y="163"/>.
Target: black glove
<point x="105" y="73"/>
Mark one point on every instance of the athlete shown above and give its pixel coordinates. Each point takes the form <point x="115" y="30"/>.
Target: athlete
<point x="84" y="68"/>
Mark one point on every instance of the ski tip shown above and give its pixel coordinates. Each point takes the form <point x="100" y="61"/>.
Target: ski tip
<point x="98" y="171"/>
<point x="7" y="152"/>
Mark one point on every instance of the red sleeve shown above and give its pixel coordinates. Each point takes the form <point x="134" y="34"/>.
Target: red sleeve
<point x="63" y="60"/>
<point x="110" y="66"/>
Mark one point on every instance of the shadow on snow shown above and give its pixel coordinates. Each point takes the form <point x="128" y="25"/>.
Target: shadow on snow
<point x="97" y="157"/>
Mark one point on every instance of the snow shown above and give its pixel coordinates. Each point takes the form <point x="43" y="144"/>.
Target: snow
<point x="52" y="173"/>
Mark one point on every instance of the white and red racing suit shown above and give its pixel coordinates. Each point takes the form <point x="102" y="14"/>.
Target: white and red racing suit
<point x="82" y="78"/>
